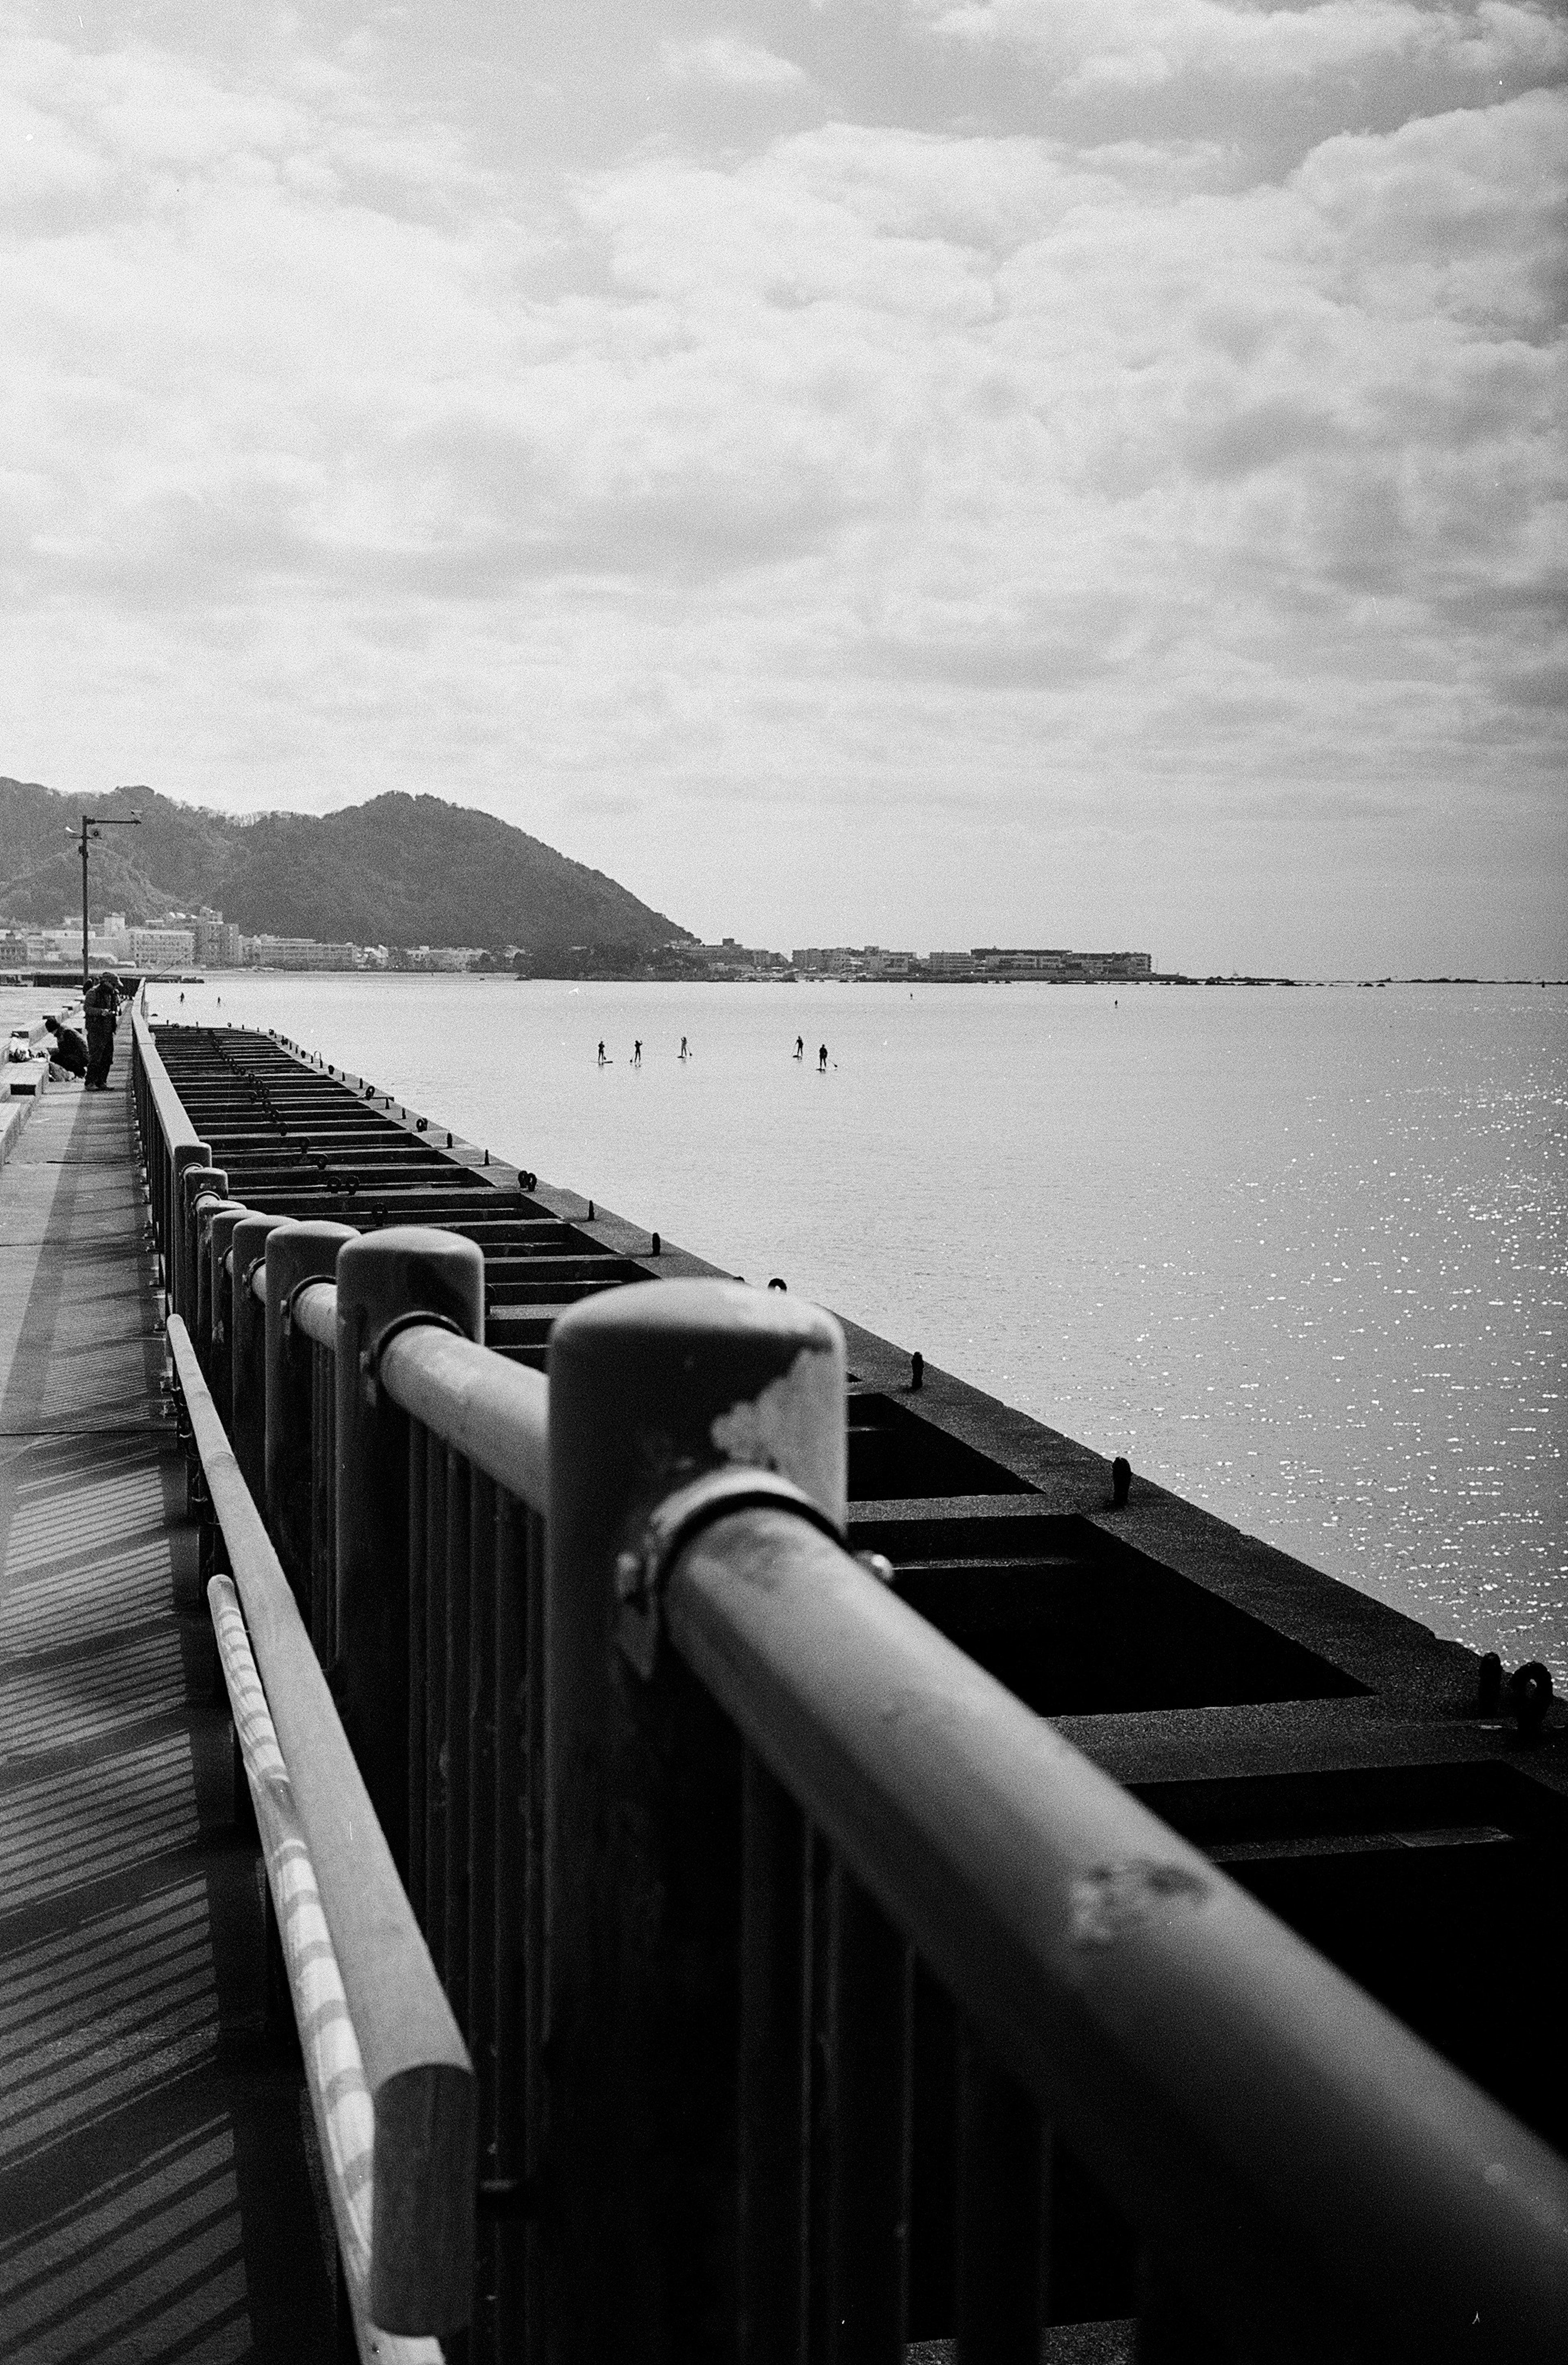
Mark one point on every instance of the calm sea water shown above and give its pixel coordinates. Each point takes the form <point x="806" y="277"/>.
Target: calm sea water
<point x="1299" y="1254"/>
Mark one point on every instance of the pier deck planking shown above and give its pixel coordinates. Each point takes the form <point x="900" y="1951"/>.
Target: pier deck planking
<point x="156" y="2194"/>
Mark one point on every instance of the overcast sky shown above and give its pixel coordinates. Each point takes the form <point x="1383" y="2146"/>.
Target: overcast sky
<point x="1028" y="471"/>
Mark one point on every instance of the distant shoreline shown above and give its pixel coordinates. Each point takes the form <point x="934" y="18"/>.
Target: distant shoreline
<point x="67" y="977"/>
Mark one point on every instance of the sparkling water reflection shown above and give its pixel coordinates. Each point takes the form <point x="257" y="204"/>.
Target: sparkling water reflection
<point x="1300" y="1255"/>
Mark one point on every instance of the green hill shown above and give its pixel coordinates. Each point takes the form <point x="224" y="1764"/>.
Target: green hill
<point x="399" y="871"/>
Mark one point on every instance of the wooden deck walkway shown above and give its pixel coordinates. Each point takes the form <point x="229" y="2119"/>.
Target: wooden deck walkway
<point x="156" y="2196"/>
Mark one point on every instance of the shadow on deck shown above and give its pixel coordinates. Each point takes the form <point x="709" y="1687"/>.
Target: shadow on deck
<point x="156" y="2191"/>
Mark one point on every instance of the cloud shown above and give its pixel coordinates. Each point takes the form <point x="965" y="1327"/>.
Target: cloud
<point x="1029" y="483"/>
<point x="735" y="64"/>
<point x="1125" y="46"/>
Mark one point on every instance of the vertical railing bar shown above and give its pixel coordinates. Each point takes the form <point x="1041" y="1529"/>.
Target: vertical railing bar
<point x="502" y="2127"/>
<point x="433" y="1906"/>
<point x="329" y="1525"/>
<point x="535" y="2017"/>
<point x="816" y="2296"/>
<point x="773" y="2101"/>
<point x="479" y="1685"/>
<point x="319" y="1449"/>
<point x="419" y="1774"/>
<point x="454" y="1958"/>
<point x="864" y="2157"/>
<point x="1000" y="2226"/>
<point x="479" y="1729"/>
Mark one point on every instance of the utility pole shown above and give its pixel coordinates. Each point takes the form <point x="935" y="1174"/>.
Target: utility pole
<point x="94" y="826"/>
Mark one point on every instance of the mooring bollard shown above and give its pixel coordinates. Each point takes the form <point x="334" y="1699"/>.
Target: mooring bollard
<point x="650" y="1387"/>
<point x="386" y="1283"/>
<point x="301" y="1253"/>
<point x="248" y="1351"/>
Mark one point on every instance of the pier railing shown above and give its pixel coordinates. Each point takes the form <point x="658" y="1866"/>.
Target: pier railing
<point x="690" y="1810"/>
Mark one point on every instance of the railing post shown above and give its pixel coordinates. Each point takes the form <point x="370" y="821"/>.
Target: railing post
<point x="650" y="1386"/>
<point x="220" y="1335"/>
<point x="300" y="1253"/>
<point x="207" y="1210"/>
<point x="248" y="1352"/>
<point x="184" y="1157"/>
<point x="195" y="1182"/>
<point x="384" y="1278"/>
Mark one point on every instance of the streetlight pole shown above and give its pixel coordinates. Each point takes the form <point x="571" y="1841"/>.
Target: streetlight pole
<point x="93" y="824"/>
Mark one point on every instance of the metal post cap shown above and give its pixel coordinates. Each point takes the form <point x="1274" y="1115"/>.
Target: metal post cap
<point x="387" y="1273"/>
<point x="709" y="1372"/>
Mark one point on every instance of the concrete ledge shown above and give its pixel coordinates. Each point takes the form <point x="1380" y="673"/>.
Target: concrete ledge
<point x="14" y="1115"/>
<point x="25" y="1078"/>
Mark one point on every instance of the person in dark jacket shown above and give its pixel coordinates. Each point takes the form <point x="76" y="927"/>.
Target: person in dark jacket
<point x="101" y="1004"/>
<point x="66" y="1048"/>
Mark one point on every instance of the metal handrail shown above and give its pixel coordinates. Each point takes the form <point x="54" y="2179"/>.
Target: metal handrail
<point x="1310" y="2163"/>
<point x="175" y="1126"/>
<point x="416" y="2067"/>
<point x="334" y="2071"/>
<point x="492" y="1412"/>
<point x="315" y="1313"/>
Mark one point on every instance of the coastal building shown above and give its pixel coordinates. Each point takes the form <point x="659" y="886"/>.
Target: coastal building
<point x="47" y="946"/>
<point x="216" y="940"/>
<point x="296" y="952"/>
<point x="161" y="948"/>
<point x="729" y="959"/>
<point x="824" y="960"/>
<point x="1058" y="966"/>
<point x="435" y="957"/>
<point x="109" y="943"/>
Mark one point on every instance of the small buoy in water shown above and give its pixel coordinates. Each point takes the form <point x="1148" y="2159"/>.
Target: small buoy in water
<point x="776" y="1283"/>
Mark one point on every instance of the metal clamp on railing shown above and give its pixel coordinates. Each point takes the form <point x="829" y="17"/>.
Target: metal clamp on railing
<point x="369" y="1357"/>
<point x="287" y="1312"/>
<point x="643" y="1570"/>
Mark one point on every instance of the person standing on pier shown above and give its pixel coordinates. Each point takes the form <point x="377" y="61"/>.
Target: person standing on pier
<point x="101" y="1005"/>
<point x="799" y="1047"/>
<point x="684" y="1052"/>
<point x="602" y="1050"/>
<point x="822" y="1061"/>
<point x="637" y="1052"/>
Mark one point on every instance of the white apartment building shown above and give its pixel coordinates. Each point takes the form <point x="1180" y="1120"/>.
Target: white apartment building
<point x="160" y="948"/>
<point x="296" y="952"/>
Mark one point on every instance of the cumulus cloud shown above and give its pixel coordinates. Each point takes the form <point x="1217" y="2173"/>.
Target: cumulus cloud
<point x="1130" y="45"/>
<point x="1031" y="485"/>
